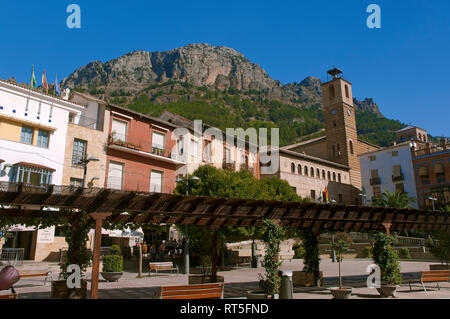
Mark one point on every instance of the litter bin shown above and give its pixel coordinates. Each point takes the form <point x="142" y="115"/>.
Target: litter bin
<point x="286" y="287"/>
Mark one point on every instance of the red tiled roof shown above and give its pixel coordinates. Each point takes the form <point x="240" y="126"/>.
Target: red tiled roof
<point x="32" y="165"/>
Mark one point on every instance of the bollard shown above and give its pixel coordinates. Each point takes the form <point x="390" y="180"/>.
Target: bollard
<point x="286" y="287"/>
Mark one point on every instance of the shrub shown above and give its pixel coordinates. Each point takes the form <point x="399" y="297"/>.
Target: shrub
<point x="440" y="248"/>
<point x="367" y="252"/>
<point x="112" y="263"/>
<point x="404" y="253"/>
<point x="115" y="250"/>
<point x="299" y="252"/>
<point x="385" y="256"/>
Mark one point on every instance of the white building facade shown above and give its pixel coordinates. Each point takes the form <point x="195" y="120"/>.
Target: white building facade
<point x="388" y="169"/>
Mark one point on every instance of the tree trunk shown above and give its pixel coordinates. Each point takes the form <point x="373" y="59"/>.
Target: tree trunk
<point x="214" y="256"/>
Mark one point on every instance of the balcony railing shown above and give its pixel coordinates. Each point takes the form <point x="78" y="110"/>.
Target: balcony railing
<point x="137" y="145"/>
<point x="433" y="149"/>
<point x="375" y="181"/>
<point x="83" y="121"/>
<point x="229" y="166"/>
<point x="398" y="178"/>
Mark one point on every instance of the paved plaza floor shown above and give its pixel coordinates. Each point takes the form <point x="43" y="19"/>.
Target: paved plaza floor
<point x="240" y="280"/>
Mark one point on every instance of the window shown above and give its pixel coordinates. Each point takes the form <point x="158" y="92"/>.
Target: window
<point x="397" y="172"/>
<point x="340" y="199"/>
<point x="424" y="175"/>
<point x="329" y="175"/>
<point x="42" y="138"/>
<point x="376" y="191"/>
<point x="79" y="150"/>
<point x="338" y="150"/>
<point x="323" y="174"/>
<point x="294" y="189"/>
<point x="207" y="153"/>
<point x="313" y="194"/>
<point x="76" y="182"/>
<point x="334" y="151"/>
<point x="400" y="188"/>
<point x="299" y="168"/>
<point x="306" y="170"/>
<point x="292" y="168"/>
<point x="119" y="130"/>
<point x="33" y="175"/>
<point x="339" y="178"/>
<point x="194" y="148"/>
<point x="158" y="140"/>
<point x="334" y="176"/>
<point x="372" y="158"/>
<point x="156" y="181"/>
<point x="440" y="172"/>
<point x="394" y="153"/>
<point x="334" y="123"/>
<point x="115" y="175"/>
<point x="347" y="95"/>
<point x="332" y="93"/>
<point x="351" y="147"/>
<point x="27" y="135"/>
<point x="318" y="173"/>
<point x="312" y="172"/>
<point x="227" y="155"/>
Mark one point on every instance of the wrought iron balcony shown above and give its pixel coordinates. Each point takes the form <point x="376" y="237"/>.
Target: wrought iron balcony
<point x="398" y="178"/>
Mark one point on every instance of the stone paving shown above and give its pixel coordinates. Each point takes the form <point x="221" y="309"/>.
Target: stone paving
<point x="240" y="280"/>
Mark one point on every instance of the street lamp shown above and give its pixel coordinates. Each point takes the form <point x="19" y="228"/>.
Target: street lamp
<point x="363" y="197"/>
<point x="186" y="245"/>
<point x="84" y="162"/>
<point x="432" y="200"/>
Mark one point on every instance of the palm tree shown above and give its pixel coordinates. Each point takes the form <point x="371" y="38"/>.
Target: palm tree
<point x="394" y="200"/>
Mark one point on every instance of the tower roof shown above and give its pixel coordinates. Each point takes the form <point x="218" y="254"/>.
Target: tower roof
<point x="334" y="72"/>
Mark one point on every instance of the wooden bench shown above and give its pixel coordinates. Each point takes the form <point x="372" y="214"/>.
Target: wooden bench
<point x="162" y="266"/>
<point x="43" y="274"/>
<point x="201" y="291"/>
<point x="436" y="276"/>
<point x="10" y="296"/>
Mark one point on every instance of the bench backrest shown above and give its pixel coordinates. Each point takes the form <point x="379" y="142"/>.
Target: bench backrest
<point x="435" y="275"/>
<point x="201" y="291"/>
<point x="161" y="265"/>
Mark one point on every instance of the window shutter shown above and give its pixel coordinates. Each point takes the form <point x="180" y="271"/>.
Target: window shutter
<point x="115" y="175"/>
<point x="158" y="140"/>
<point x="374" y="173"/>
<point x="120" y="129"/>
<point x="439" y="168"/>
<point x="156" y="182"/>
<point x="423" y="171"/>
<point x="397" y="172"/>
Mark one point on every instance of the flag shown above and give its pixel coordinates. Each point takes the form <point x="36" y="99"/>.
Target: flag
<point x="33" y="79"/>
<point x="57" y="90"/>
<point x="325" y="195"/>
<point x="44" y="82"/>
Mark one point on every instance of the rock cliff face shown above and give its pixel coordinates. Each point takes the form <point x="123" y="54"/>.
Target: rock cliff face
<point x="200" y="65"/>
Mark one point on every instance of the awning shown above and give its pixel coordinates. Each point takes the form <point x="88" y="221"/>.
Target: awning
<point x="439" y="168"/>
<point x="32" y="165"/>
<point x="423" y="171"/>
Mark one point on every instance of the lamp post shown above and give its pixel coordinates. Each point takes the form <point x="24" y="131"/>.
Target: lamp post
<point x="432" y="200"/>
<point x="363" y="197"/>
<point x="186" y="244"/>
<point x="333" y="252"/>
<point x="84" y="162"/>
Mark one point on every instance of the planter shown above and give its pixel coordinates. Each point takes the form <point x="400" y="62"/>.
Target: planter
<point x="388" y="291"/>
<point x="61" y="291"/>
<point x="203" y="279"/>
<point x="111" y="276"/>
<point x="259" y="294"/>
<point x="343" y="293"/>
<point x="304" y="279"/>
<point x="439" y="267"/>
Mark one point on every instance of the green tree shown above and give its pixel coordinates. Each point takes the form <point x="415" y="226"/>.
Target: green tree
<point x="394" y="200"/>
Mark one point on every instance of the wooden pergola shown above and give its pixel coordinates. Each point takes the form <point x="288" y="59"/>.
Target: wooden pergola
<point x="116" y="206"/>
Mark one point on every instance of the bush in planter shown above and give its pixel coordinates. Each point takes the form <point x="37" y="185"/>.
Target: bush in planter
<point x="115" y="250"/>
<point x="340" y="246"/>
<point x="385" y="256"/>
<point x="272" y="236"/>
<point x="311" y="258"/>
<point x="112" y="263"/>
<point x="440" y="248"/>
<point x="366" y="252"/>
<point x="404" y="253"/>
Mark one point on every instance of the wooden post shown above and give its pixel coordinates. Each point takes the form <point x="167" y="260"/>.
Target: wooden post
<point x="214" y="257"/>
<point x="387" y="226"/>
<point x="98" y="217"/>
<point x="140" y="260"/>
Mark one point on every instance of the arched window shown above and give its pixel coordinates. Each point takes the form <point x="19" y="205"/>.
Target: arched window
<point x="334" y="151"/>
<point x="300" y="169"/>
<point x="306" y="170"/>
<point x="329" y="175"/>
<point x="318" y="173"/>
<point x="323" y="174"/>
<point x="312" y="172"/>
<point x="420" y="137"/>
<point x="334" y="176"/>
<point x="332" y="93"/>
<point x="346" y="91"/>
<point x="292" y="168"/>
<point x="351" y="147"/>
<point x="339" y="178"/>
<point x="338" y="150"/>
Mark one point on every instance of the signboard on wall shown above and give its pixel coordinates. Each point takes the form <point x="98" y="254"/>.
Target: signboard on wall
<point x="46" y="235"/>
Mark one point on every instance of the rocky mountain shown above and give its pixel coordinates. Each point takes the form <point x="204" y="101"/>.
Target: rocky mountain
<point x="200" y="65"/>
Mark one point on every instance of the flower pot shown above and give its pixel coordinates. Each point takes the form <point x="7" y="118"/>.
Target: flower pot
<point x="203" y="279"/>
<point x="388" y="291"/>
<point x="439" y="267"/>
<point x="342" y="293"/>
<point x="111" y="276"/>
<point x="259" y="294"/>
<point x="61" y="291"/>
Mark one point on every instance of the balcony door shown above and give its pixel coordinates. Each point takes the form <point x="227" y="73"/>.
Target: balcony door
<point x="156" y="178"/>
<point x="115" y="175"/>
<point x="119" y="129"/>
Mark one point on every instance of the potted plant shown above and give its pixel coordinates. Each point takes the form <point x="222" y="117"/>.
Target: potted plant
<point x="440" y="248"/>
<point x="311" y="274"/>
<point x="205" y="268"/>
<point x="269" y="283"/>
<point x="340" y="246"/>
<point x="113" y="264"/>
<point x="386" y="257"/>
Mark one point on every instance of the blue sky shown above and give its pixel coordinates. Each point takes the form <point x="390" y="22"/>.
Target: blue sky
<point x="404" y="66"/>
